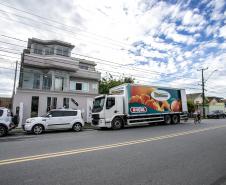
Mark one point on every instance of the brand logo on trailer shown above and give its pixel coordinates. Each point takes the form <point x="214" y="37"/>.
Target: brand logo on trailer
<point x="138" y="109"/>
<point x="160" y="95"/>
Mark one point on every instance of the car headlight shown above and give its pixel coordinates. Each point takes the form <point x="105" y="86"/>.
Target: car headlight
<point x="30" y="121"/>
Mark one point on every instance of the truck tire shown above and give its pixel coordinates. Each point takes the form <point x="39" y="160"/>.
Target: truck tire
<point x="117" y="123"/>
<point x="37" y="129"/>
<point x="167" y="119"/>
<point x="175" y="119"/>
<point x="3" y="131"/>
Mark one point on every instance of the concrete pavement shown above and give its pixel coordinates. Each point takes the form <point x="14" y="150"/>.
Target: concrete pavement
<point x="197" y="157"/>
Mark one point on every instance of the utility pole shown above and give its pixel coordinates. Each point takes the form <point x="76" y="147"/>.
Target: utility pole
<point x="14" y="84"/>
<point x="203" y="91"/>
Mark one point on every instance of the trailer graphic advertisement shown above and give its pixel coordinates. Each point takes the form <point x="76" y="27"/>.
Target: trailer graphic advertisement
<point x="148" y="100"/>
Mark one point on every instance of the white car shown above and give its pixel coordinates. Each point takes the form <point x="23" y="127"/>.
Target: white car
<point x="56" y="119"/>
<point x="6" y="121"/>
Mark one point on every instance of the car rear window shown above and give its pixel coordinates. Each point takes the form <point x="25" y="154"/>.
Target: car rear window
<point x="70" y="113"/>
<point x="1" y="112"/>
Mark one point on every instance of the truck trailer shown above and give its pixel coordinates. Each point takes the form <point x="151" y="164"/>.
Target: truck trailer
<point x="133" y="104"/>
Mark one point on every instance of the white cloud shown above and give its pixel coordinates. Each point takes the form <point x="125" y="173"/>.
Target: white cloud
<point x="191" y="18"/>
<point x="223" y="31"/>
<point x="107" y="30"/>
<point x="169" y="29"/>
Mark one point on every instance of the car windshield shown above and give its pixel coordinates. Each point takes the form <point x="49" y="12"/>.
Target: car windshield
<point x="98" y="104"/>
<point x="46" y="115"/>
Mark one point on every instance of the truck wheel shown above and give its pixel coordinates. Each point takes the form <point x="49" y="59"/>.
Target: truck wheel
<point x="117" y="123"/>
<point x="167" y="119"/>
<point x="37" y="129"/>
<point x="175" y="119"/>
<point x="3" y="131"/>
<point x="77" y="127"/>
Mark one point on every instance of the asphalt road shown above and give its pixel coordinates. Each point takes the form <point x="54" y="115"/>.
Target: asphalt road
<point x="161" y="155"/>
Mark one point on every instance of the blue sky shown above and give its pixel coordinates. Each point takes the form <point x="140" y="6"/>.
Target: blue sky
<point x="156" y="42"/>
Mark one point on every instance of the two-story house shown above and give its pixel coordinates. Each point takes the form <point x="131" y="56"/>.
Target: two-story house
<point x="50" y="78"/>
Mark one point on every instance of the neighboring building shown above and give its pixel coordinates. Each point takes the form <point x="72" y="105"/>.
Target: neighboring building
<point x="5" y="102"/>
<point x="211" y="102"/>
<point x="50" y="78"/>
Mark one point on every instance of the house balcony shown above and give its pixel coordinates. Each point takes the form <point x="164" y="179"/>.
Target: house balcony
<point x="51" y="62"/>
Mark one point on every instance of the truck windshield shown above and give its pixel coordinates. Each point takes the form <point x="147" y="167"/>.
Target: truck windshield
<point x="98" y="104"/>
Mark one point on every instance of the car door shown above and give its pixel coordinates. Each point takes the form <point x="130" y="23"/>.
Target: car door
<point x="69" y="118"/>
<point x="55" y="120"/>
<point x="111" y="110"/>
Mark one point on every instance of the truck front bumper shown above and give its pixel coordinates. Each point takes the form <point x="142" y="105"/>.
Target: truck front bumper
<point x="101" y="123"/>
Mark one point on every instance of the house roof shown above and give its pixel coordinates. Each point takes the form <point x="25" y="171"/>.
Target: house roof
<point x="210" y="98"/>
<point x="49" y="42"/>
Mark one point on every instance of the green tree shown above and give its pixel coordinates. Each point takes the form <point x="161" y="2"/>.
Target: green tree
<point x="191" y="106"/>
<point x="108" y="82"/>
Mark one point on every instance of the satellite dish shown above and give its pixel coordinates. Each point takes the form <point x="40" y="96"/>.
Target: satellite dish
<point x="75" y="102"/>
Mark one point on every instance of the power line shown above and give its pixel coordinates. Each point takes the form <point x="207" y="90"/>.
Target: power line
<point x="60" y="23"/>
<point x="47" y="59"/>
<point x="106" y="61"/>
<point x="59" y="29"/>
<point x="144" y="79"/>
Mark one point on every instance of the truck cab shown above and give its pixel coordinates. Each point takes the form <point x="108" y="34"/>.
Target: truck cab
<point x="108" y="111"/>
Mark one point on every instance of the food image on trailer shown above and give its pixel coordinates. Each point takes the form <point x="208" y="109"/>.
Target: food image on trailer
<point x="148" y="100"/>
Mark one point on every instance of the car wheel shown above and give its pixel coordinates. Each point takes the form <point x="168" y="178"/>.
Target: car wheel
<point x="3" y="131"/>
<point x="37" y="129"/>
<point x="117" y="123"/>
<point x="167" y="119"/>
<point x="77" y="127"/>
<point x="175" y="119"/>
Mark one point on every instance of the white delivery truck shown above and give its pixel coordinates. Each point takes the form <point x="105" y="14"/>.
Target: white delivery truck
<point x="131" y="104"/>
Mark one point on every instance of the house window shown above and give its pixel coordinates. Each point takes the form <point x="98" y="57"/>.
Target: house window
<point x="49" y="50"/>
<point x="34" y="106"/>
<point x="66" y="103"/>
<point x="51" y="103"/>
<point x="36" y="82"/>
<point x="38" y="49"/>
<point x="48" y="104"/>
<point x="85" y="87"/>
<point x="79" y="86"/>
<point x="59" y="83"/>
<point x="83" y="66"/>
<point x="95" y="86"/>
<point x="59" y="50"/>
<point x="47" y="82"/>
<point x="64" y="51"/>
<point x="27" y="80"/>
<point x="54" y="103"/>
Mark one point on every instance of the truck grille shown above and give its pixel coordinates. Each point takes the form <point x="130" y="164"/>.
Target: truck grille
<point x="95" y="119"/>
<point x="95" y="116"/>
<point x="95" y="122"/>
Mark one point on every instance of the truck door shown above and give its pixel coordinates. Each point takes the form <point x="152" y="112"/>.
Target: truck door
<point x="111" y="109"/>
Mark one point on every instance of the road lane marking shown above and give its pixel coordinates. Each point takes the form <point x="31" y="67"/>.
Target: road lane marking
<point x="102" y="147"/>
